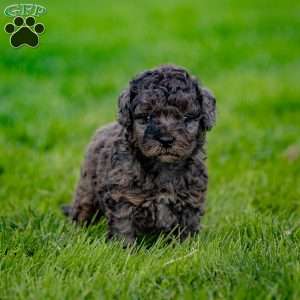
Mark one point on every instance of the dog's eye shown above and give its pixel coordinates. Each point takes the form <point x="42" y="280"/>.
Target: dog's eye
<point x="143" y="118"/>
<point x="190" y="118"/>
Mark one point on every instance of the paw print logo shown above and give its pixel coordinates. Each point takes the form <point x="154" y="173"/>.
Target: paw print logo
<point x="24" y="31"/>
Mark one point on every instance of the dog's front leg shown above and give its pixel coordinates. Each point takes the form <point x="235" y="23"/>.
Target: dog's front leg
<point x="120" y="222"/>
<point x="189" y="222"/>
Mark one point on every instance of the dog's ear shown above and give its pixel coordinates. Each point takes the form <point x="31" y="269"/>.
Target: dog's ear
<point x="124" y="113"/>
<point x="208" y="105"/>
<point x="208" y="109"/>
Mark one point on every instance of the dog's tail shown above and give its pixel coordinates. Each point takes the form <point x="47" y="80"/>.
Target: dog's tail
<point x="67" y="210"/>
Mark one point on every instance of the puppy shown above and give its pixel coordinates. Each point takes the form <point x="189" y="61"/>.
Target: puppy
<point x="146" y="173"/>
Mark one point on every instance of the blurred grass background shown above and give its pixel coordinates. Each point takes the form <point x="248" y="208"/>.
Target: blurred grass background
<point x="54" y="97"/>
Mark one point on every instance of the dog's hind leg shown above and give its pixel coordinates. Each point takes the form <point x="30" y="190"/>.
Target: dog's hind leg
<point x="85" y="208"/>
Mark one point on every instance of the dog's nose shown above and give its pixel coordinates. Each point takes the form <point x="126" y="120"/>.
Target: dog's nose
<point x="166" y="141"/>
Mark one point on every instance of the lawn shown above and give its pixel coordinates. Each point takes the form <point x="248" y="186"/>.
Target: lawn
<point x="53" y="98"/>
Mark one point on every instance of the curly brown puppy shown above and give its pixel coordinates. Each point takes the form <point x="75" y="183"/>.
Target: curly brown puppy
<point x="146" y="173"/>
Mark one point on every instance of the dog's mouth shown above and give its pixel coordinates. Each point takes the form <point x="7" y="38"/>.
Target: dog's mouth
<point x="167" y="154"/>
<point x="160" y="152"/>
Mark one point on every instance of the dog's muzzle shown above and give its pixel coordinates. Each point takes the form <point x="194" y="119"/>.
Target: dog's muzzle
<point x="163" y="138"/>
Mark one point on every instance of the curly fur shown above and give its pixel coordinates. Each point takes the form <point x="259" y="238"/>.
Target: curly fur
<point x="146" y="172"/>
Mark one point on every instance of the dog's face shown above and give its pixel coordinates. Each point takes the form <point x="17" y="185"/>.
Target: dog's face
<point x="166" y="127"/>
<point x="165" y="111"/>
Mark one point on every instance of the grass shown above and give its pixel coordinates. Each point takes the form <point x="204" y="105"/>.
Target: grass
<point x="54" y="97"/>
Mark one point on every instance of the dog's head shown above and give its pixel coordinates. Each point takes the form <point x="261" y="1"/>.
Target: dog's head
<point x="165" y="110"/>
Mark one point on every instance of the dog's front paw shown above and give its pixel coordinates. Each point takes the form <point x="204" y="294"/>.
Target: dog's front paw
<point x="128" y="240"/>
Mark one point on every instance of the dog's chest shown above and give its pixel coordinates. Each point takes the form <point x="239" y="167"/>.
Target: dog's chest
<point x="164" y="202"/>
<point x="169" y="188"/>
<point x="158" y="211"/>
